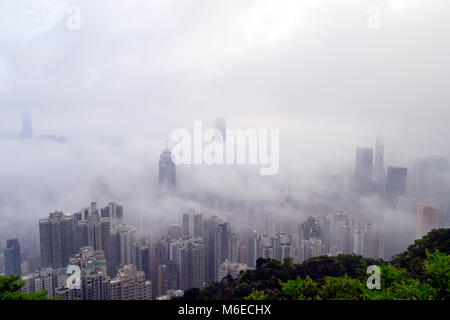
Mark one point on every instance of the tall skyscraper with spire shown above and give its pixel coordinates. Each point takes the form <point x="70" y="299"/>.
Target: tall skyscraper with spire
<point x="379" y="170"/>
<point x="167" y="172"/>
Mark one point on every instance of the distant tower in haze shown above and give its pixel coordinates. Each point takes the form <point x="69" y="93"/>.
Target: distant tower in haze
<point x="364" y="170"/>
<point x="430" y="176"/>
<point x="395" y="184"/>
<point x="379" y="172"/>
<point x="220" y="125"/>
<point x="27" y="127"/>
<point x="167" y="173"/>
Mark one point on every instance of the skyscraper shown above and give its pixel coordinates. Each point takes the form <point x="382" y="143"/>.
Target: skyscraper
<point x="186" y="224"/>
<point x="56" y="239"/>
<point x="94" y="232"/>
<point x="192" y="224"/>
<point x="209" y="235"/>
<point x="188" y="256"/>
<point x="364" y="170"/>
<point x="122" y="253"/>
<point x="94" y="279"/>
<point x="158" y="256"/>
<point x="427" y="219"/>
<point x="11" y="257"/>
<point x="254" y="248"/>
<point x="379" y="172"/>
<point x="373" y="241"/>
<point x="198" y="225"/>
<point x="167" y="278"/>
<point x="167" y="172"/>
<point x="142" y="254"/>
<point x="114" y="212"/>
<point x="225" y="246"/>
<point x="395" y="184"/>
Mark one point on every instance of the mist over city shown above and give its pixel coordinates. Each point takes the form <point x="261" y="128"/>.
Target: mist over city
<point x="88" y="108"/>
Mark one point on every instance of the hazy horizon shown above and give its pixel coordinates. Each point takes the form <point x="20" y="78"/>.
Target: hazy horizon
<point x="135" y="71"/>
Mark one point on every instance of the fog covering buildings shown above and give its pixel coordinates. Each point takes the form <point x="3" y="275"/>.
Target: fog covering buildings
<point x="314" y="70"/>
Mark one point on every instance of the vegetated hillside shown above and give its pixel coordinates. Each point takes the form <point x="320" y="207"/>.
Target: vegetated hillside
<point x="422" y="272"/>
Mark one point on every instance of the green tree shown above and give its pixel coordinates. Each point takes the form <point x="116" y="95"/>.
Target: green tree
<point x="256" y="295"/>
<point x="10" y="290"/>
<point x="413" y="258"/>
<point x="301" y="289"/>
<point x="437" y="270"/>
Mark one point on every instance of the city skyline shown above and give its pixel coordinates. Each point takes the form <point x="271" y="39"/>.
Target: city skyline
<point x="157" y="148"/>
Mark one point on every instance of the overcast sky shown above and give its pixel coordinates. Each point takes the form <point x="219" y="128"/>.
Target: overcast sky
<point x="136" y="70"/>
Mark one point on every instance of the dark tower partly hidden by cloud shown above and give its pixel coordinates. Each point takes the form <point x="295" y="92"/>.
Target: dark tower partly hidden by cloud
<point x="364" y="170"/>
<point x="27" y="127"/>
<point x="167" y="172"/>
<point x="395" y="184"/>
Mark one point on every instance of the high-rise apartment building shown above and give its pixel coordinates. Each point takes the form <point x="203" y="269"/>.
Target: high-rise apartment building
<point x="188" y="256"/>
<point x="142" y="253"/>
<point x="186" y="231"/>
<point x="198" y="225"/>
<point x="209" y="238"/>
<point x="225" y="246"/>
<point x="43" y="279"/>
<point x="122" y="253"/>
<point x="427" y="219"/>
<point x="130" y="284"/>
<point x="94" y="280"/>
<point x="56" y="240"/>
<point x="167" y="278"/>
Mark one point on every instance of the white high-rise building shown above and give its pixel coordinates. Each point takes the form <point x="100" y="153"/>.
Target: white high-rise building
<point x="44" y="279"/>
